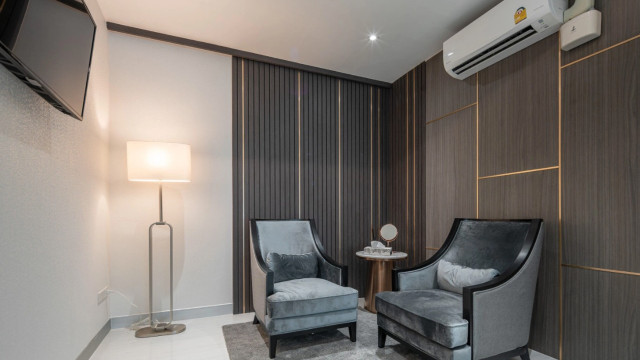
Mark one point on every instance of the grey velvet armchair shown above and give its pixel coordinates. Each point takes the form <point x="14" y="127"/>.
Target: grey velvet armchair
<point x="490" y="320"/>
<point x="294" y="305"/>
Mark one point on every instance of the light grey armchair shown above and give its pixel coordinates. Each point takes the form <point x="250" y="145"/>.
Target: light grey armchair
<point x="490" y="320"/>
<point x="296" y="287"/>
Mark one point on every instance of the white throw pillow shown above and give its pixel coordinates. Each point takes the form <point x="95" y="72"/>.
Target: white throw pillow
<point x="452" y="277"/>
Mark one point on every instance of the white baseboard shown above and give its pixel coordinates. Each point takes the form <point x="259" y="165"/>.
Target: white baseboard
<point x="180" y="314"/>
<point x="95" y="342"/>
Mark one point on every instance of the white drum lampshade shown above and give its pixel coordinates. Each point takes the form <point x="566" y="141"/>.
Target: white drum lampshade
<point x="158" y="161"/>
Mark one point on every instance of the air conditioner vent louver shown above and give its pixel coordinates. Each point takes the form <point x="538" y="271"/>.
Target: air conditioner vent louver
<point x="500" y="46"/>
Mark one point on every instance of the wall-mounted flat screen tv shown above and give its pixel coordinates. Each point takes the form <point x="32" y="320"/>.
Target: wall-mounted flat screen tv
<point x="48" y="45"/>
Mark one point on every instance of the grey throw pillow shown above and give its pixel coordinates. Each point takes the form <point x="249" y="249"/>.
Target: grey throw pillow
<point x="289" y="267"/>
<point x="452" y="277"/>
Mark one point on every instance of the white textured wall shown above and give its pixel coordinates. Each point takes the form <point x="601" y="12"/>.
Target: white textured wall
<point x="54" y="225"/>
<point x="165" y="92"/>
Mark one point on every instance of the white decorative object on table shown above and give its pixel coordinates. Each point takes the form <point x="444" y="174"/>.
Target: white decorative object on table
<point x="377" y="248"/>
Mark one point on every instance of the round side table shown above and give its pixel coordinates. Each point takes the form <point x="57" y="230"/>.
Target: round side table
<point x="380" y="267"/>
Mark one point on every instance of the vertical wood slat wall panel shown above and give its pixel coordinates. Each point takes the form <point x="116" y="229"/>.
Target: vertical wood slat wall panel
<point x="395" y="164"/>
<point x="304" y="146"/>
<point x="404" y="166"/>
<point x="356" y="182"/>
<point x="319" y="129"/>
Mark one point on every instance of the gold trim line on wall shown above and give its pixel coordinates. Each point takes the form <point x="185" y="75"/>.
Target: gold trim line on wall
<point x="407" y="142"/>
<point x="339" y="171"/>
<point x="371" y="162"/>
<point x="517" y="172"/>
<point x="244" y="216"/>
<point x="560" y="309"/>
<point x="379" y="167"/>
<point x="600" y="51"/>
<point x="451" y="113"/>
<point x="299" y="151"/>
<point x="622" y="272"/>
<point x="477" y="145"/>
<point x="413" y="230"/>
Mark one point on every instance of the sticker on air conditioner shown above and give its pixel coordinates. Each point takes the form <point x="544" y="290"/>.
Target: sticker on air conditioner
<point x="520" y="14"/>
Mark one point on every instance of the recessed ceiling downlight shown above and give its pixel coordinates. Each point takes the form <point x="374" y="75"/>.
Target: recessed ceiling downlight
<point x="373" y="37"/>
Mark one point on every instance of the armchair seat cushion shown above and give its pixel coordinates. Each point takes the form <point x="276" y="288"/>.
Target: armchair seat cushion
<point x="435" y="314"/>
<point x="308" y="296"/>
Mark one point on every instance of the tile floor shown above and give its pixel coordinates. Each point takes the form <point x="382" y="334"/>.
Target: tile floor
<point x="202" y="340"/>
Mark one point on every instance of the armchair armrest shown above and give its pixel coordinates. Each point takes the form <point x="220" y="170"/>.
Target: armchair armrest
<point x="329" y="269"/>
<point x="420" y="277"/>
<point x="499" y="311"/>
<point x="423" y="276"/>
<point x="332" y="271"/>
<point x="262" y="282"/>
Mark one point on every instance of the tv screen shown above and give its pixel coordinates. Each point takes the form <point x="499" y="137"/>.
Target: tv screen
<point x="48" y="45"/>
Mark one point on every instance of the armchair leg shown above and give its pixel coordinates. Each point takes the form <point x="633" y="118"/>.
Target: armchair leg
<point x="273" y="341"/>
<point x="255" y="320"/>
<point x="525" y="354"/>
<point x="352" y="332"/>
<point x="382" y="337"/>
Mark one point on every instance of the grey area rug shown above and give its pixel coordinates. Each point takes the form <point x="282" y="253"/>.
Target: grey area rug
<point x="247" y="341"/>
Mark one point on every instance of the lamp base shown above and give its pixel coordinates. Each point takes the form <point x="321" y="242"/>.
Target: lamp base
<point x="172" y="329"/>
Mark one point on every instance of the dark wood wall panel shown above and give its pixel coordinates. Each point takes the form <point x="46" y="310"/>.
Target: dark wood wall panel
<point x="266" y="157"/>
<point x="518" y="109"/>
<point x="532" y="195"/>
<point x="601" y="315"/>
<point x="450" y="183"/>
<point x="444" y="93"/>
<point x="420" y="175"/>
<point x="305" y="146"/>
<point x="619" y="23"/>
<point x="601" y="161"/>
<point x="395" y="176"/>
<point x="320" y="159"/>
<point x="357" y="179"/>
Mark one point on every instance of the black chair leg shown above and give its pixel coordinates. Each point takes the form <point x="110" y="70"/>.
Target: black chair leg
<point x="382" y="337"/>
<point x="525" y="354"/>
<point x="273" y="341"/>
<point x="352" y="332"/>
<point x="255" y="320"/>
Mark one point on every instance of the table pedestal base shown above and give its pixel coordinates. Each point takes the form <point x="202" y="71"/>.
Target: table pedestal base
<point x="379" y="280"/>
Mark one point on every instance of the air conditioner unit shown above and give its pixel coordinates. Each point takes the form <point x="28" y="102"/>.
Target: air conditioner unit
<point x="504" y="30"/>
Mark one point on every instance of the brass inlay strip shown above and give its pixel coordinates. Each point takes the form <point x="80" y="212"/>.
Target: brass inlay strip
<point x="379" y="167"/>
<point x="415" y="253"/>
<point x="371" y="157"/>
<point x="244" y="287"/>
<point x="601" y="269"/>
<point x="600" y="51"/>
<point x="560" y="323"/>
<point x="299" y="151"/>
<point x="517" y="172"/>
<point x="451" y="113"/>
<point x="477" y="144"/>
<point x="407" y="142"/>
<point x="339" y="172"/>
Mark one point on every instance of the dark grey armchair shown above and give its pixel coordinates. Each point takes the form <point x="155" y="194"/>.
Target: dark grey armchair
<point x="488" y="320"/>
<point x="296" y="287"/>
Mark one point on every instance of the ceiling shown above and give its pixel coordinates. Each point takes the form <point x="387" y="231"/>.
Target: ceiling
<point x="330" y="34"/>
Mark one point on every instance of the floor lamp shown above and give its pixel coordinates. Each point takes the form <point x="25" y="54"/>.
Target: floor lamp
<point x="159" y="162"/>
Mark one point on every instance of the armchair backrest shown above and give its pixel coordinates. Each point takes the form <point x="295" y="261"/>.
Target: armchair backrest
<point x="283" y="237"/>
<point x="482" y="244"/>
